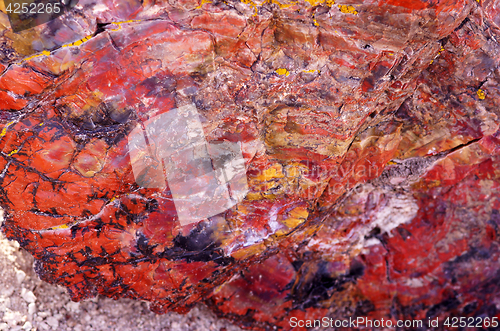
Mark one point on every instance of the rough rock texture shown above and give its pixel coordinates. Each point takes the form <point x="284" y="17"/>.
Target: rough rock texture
<point x="369" y="131"/>
<point x="27" y="303"/>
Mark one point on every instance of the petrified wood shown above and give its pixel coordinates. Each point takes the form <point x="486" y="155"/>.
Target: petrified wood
<point x="368" y="130"/>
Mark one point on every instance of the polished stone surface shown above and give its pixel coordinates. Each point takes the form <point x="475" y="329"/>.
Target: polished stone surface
<point x="368" y="130"/>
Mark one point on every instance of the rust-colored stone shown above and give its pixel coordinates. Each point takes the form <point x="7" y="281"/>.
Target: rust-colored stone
<point x="368" y="131"/>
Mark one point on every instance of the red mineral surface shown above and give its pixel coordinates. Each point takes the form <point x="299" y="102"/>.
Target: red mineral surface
<point x="281" y="161"/>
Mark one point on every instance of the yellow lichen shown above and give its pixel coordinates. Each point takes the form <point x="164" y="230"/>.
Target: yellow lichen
<point x="203" y="2"/>
<point x="46" y="53"/>
<point x="252" y="4"/>
<point x="78" y="42"/>
<point x="60" y="227"/>
<point x="311" y="71"/>
<point x="120" y="24"/>
<point x="314" y="3"/>
<point x="481" y="95"/>
<point x="4" y="130"/>
<point x="348" y="9"/>
<point x="281" y="5"/>
<point x="282" y="71"/>
<point x="13" y="152"/>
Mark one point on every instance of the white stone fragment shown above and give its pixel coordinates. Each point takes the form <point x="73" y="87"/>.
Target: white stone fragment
<point x="73" y="306"/>
<point x="43" y="314"/>
<point x="20" y="276"/>
<point x="7" y="291"/>
<point x="43" y="326"/>
<point x="52" y="322"/>
<point x="28" y="296"/>
<point x="12" y="318"/>
<point x="32" y="309"/>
